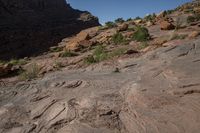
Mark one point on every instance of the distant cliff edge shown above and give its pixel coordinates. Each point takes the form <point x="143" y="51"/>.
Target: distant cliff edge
<point x="30" y="27"/>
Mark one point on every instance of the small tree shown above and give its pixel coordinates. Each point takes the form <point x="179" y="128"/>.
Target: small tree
<point x="129" y="19"/>
<point x="141" y="34"/>
<point x="118" y="38"/>
<point x="110" y="24"/>
<point x="119" y="20"/>
<point x="137" y="18"/>
<point x="150" y="17"/>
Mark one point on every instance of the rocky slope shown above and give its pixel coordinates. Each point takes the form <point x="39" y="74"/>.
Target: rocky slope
<point x="118" y="78"/>
<point x="30" y="27"/>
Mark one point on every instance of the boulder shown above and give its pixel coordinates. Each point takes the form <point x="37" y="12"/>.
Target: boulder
<point x="75" y="43"/>
<point x="105" y="36"/>
<point x="194" y="34"/>
<point x="165" y="25"/>
<point x="82" y="40"/>
<point x="159" y="41"/>
<point x="123" y="27"/>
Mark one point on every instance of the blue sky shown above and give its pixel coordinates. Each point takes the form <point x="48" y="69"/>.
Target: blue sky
<point x="109" y="10"/>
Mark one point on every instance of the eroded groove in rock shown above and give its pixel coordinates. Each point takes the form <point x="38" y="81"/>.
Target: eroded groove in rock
<point x="190" y="85"/>
<point x="74" y="84"/>
<point x="40" y="113"/>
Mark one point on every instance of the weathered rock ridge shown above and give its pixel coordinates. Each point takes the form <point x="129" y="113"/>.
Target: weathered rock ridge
<point x="30" y="27"/>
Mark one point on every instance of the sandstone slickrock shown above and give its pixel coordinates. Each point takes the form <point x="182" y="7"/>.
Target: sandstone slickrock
<point x="158" y="92"/>
<point x="155" y="89"/>
<point x="30" y="27"/>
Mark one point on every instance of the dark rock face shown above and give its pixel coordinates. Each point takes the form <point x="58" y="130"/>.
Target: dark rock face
<point x="30" y="27"/>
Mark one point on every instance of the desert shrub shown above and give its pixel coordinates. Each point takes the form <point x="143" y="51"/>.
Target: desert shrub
<point x="110" y="24"/>
<point x="118" y="38"/>
<point x="150" y="17"/>
<point x="143" y="45"/>
<point x="168" y="12"/>
<point x="58" y="65"/>
<point x="194" y="18"/>
<point x="119" y="20"/>
<point x="31" y="73"/>
<point x="90" y="60"/>
<point x="129" y="19"/>
<point x="68" y="54"/>
<point x="103" y="27"/>
<point x="137" y="18"/>
<point x="99" y="54"/>
<point x="56" y="49"/>
<point x="165" y="14"/>
<point x="2" y="62"/>
<point x="175" y="36"/>
<point x="141" y="34"/>
<point x="178" y="24"/>
<point x="189" y="11"/>
<point x="14" y="62"/>
<point x="117" y="52"/>
<point x="191" y="19"/>
<point x="17" y="62"/>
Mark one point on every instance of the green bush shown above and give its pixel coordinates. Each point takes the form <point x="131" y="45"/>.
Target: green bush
<point x="119" y="20"/>
<point x="129" y="19"/>
<point x="90" y="60"/>
<point x="110" y="24"/>
<point x="194" y="18"/>
<point x="143" y="45"/>
<point x="58" y="65"/>
<point x="165" y="14"/>
<point x="68" y="54"/>
<point x="191" y="19"/>
<point x="14" y="62"/>
<point x="175" y="36"/>
<point x="2" y="62"/>
<point x="56" y="49"/>
<point x="17" y="62"/>
<point x="150" y="17"/>
<point x="118" y="38"/>
<point x="99" y="54"/>
<point x="137" y="18"/>
<point x="168" y="12"/>
<point x="141" y="34"/>
<point x="189" y="11"/>
<point x="117" y="52"/>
